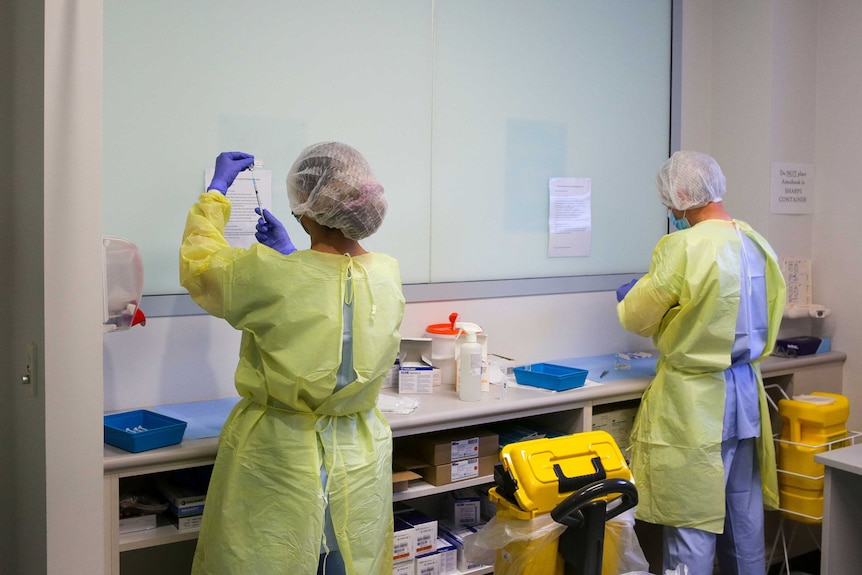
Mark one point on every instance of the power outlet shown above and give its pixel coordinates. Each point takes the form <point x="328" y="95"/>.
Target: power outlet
<point x="32" y="366"/>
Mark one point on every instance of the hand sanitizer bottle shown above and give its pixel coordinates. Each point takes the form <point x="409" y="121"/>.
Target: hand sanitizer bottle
<point x="470" y="365"/>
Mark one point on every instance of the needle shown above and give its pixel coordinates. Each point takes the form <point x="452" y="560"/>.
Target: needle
<point x="254" y="183"/>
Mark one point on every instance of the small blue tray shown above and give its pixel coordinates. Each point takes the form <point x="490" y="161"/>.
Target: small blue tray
<point x="142" y="430"/>
<point x="550" y="376"/>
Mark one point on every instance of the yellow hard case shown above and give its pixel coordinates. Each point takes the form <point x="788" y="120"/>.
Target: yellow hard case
<point x="548" y="470"/>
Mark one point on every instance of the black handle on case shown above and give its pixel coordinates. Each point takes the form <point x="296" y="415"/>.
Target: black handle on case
<point x="569" y="511"/>
<point x="568" y="484"/>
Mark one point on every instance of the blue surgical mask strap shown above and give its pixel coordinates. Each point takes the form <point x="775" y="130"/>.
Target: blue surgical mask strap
<point x="681" y="223"/>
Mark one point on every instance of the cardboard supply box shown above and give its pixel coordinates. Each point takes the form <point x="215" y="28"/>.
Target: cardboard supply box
<point x="448" y="554"/>
<point x="425" y="528"/>
<point x="618" y="423"/>
<point x="427" y="564"/>
<point x="448" y="446"/>
<point x="455" y="536"/>
<point x="404" y="568"/>
<point x="401" y="479"/>
<point x="458" y="470"/>
<point x="391" y="379"/>
<point x="415" y="373"/>
<point x="190" y="523"/>
<point x="464" y="508"/>
<point x="404" y="542"/>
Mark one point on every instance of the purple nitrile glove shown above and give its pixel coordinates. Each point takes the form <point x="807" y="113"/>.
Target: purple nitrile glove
<point x="624" y="289"/>
<point x="271" y="232"/>
<point x="227" y="166"/>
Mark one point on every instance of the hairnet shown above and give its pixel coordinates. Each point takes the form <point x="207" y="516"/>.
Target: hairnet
<point x="331" y="183"/>
<point x="690" y="180"/>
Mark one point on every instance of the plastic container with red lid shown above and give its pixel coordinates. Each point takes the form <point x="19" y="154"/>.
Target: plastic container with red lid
<point x="444" y="347"/>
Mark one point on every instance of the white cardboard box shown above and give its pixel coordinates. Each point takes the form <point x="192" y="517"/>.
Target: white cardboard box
<point x="448" y="554"/>
<point x="404" y="542"/>
<point x="428" y="564"/>
<point x="391" y="379"/>
<point x="425" y="528"/>
<point x="464" y="509"/>
<point x="415" y="374"/>
<point x="618" y="423"/>
<point x="455" y="536"/>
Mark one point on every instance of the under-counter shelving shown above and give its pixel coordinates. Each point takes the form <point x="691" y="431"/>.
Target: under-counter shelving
<point x="567" y="412"/>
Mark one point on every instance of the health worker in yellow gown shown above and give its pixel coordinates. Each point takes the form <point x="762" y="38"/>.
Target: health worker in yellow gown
<point x="702" y="453"/>
<point x="302" y="479"/>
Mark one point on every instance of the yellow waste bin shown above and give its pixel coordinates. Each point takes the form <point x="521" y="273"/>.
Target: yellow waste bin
<point x="535" y="477"/>
<point x="811" y="424"/>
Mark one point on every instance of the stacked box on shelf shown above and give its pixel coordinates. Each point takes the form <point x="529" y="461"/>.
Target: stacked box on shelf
<point x="455" y="536"/>
<point x="404" y="542"/>
<point x="450" y="456"/>
<point x="448" y="555"/>
<point x="618" y="423"/>
<point x="186" y="492"/>
<point x="427" y="564"/>
<point x="425" y="528"/>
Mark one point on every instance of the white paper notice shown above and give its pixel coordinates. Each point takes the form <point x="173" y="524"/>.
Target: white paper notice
<point x="792" y="189"/>
<point x="240" y="229"/>
<point x="570" y="218"/>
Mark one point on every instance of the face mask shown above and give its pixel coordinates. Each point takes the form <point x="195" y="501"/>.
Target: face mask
<point x="680" y="224"/>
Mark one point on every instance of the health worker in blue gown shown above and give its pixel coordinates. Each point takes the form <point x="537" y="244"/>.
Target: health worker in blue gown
<point x="702" y="452"/>
<point x="302" y="478"/>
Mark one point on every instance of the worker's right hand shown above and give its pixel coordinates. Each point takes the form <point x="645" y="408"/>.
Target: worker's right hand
<point x="624" y="289"/>
<point x="227" y="166"/>
<point x="271" y="232"/>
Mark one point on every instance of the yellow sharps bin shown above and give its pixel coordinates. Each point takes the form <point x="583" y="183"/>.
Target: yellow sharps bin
<point x="535" y="477"/>
<point x="811" y="424"/>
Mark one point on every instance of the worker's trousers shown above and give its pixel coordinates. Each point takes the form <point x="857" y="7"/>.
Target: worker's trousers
<point x="741" y="548"/>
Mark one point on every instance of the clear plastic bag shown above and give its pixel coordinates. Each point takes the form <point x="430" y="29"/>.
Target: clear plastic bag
<point x="622" y="550"/>
<point x="530" y="535"/>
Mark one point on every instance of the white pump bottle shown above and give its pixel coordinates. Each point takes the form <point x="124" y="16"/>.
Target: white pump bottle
<point x="470" y="364"/>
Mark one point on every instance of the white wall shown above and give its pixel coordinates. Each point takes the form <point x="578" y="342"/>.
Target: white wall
<point x="778" y="81"/>
<point x="175" y="360"/>
<point x="837" y="235"/>
<point x="71" y="224"/>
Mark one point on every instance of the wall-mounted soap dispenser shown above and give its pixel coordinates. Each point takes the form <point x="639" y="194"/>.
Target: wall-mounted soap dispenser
<point x="122" y="284"/>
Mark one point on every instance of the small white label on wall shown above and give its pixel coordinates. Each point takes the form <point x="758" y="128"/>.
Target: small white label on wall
<point x="792" y="188"/>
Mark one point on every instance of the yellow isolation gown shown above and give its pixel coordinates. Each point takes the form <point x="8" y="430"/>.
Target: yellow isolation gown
<point x="265" y="505"/>
<point x="688" y="304"/>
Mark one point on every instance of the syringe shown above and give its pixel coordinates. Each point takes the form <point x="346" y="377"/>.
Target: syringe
<point x="256" y="164"/>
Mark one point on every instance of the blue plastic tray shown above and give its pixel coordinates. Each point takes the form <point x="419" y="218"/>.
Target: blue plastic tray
<point x="550" y="376"/>
<point x="142" y="430"/>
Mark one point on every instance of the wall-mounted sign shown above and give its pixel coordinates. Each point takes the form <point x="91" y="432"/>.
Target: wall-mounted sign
<point x="792" y="188"/>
